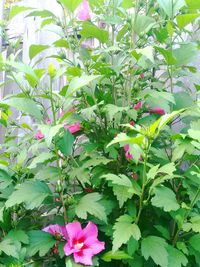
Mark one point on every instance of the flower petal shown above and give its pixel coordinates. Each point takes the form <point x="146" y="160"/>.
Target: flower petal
<point x="68" y="250"/>
<point x="55" y="229"/>
<point x="96" y="246"/>
<point x="73" y="230"/>
<point x="84" y="257"/>
<point x="90" y="230"/>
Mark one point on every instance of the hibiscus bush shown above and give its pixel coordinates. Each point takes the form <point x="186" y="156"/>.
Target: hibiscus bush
<point x="99" y="164"/>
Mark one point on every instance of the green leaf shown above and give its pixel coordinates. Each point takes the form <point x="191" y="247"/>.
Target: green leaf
<point x="89" y="30"/>
<point x="61" y="43"/>
<point x="124" y="229"/>
<point x="167" y="118"/>
<point x="10" y="248"/>
<point x="65" y="143"/>
<point x="18" y="235"/>
<point x="167" y="54"/>
<point x="143" y="24"/>
<point x="123" y="139"/>
<point x="123" y="188"/>
<point x="15" y="10"/>
<point x="165" y="198"/>
<point x="5" y="179"/>
<point x="24" y="68"/>
<point x="193" y="4"/>
<point x="186" y="53"/>
<point x="183" y="100"/>
<point x="194" y="132"/>
<point x="25" y="105"/>
<point x="40" y="242"/>
<point x="71" y="5"/>
<point x="156" y="248"/>
<point x="49" y="131"/>
<point x="185" y="19"/>
<point x="32" y="193"/>
<point x="44" y="156"/>
<point x="48" y="173"/>
<point x="121" y="179"/>
<point x="34" y="50"/>
<point x="84" y="206"/>
<point x="171" y="7"/>
<point x="79" y="82"/>
<point x="127" y="3"/>
<point x="111" y="110"/>
<point x="41" y="13"/>
<point x="117" y="255"/>
<point x="176" y="258"/>
<point x="148" y="52"/>
<point x="168" y="168"/>
<point x="195" y="241"/>
<point x="122" y="194"/>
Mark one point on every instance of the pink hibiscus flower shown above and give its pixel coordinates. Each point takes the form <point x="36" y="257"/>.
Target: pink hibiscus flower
<point x="128" y="155"/>
<point x="83" y="11"/>
<point x="138" y="106"/>
<point x="39" y="135"/>
<point x="157" y="110"/>
<point x="73" y="128"/>
<point x="56" y="230"/>
<point x="83" y="243"/>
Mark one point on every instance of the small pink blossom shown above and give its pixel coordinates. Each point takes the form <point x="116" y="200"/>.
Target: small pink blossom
<point x="128" y="155"/>
<point x="132" y="123"/>
<point x="56" y="230"/>
<point x="83" y="243"/>
<point x="73" y="128"/>
<point x="83" y="11"/>
<point x="142" y="75"/>
<point x="39" y="135"/>
<point x="157" y="110"/>
<point x="138" y="106"/>
<point x="48" y="121"/>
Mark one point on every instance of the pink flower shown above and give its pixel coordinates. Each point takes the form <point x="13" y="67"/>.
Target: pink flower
<point x="39" y="135"/>
<point x="83" y="243"/>
<point x="142" y="75"/>
<point x="138" y="106"/>
<point x="132" y="123"/>
<point x="73" y="128"/>
<point x="128" y="155"/>
<point x="56" y="230"/>
<point x="84" y="11"/>
<point x="157" y="110"/>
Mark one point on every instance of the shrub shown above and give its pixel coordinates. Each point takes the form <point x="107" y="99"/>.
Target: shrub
<point x="106" y="169"/>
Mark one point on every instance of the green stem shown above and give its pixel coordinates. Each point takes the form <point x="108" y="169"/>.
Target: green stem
<point x="112" y="57"/>
<point x="61" y="180"/>
<point x="144" y="178"/>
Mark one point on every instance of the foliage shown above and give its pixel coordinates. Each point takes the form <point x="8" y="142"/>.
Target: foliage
<point x="117" y="145"/>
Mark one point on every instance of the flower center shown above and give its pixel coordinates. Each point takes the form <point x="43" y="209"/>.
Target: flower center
<point x="78" y="245"/>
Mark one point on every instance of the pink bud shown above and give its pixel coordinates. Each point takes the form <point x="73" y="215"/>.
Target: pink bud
<point x="84" y="11"/>
<point x="73" y="128"/>
<point x="39" y="135"/>
<point x="142" y="75"/>
<point x="157" y="110"/>
<point x="132" y="123"/>
<point x="138" y="106"/>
